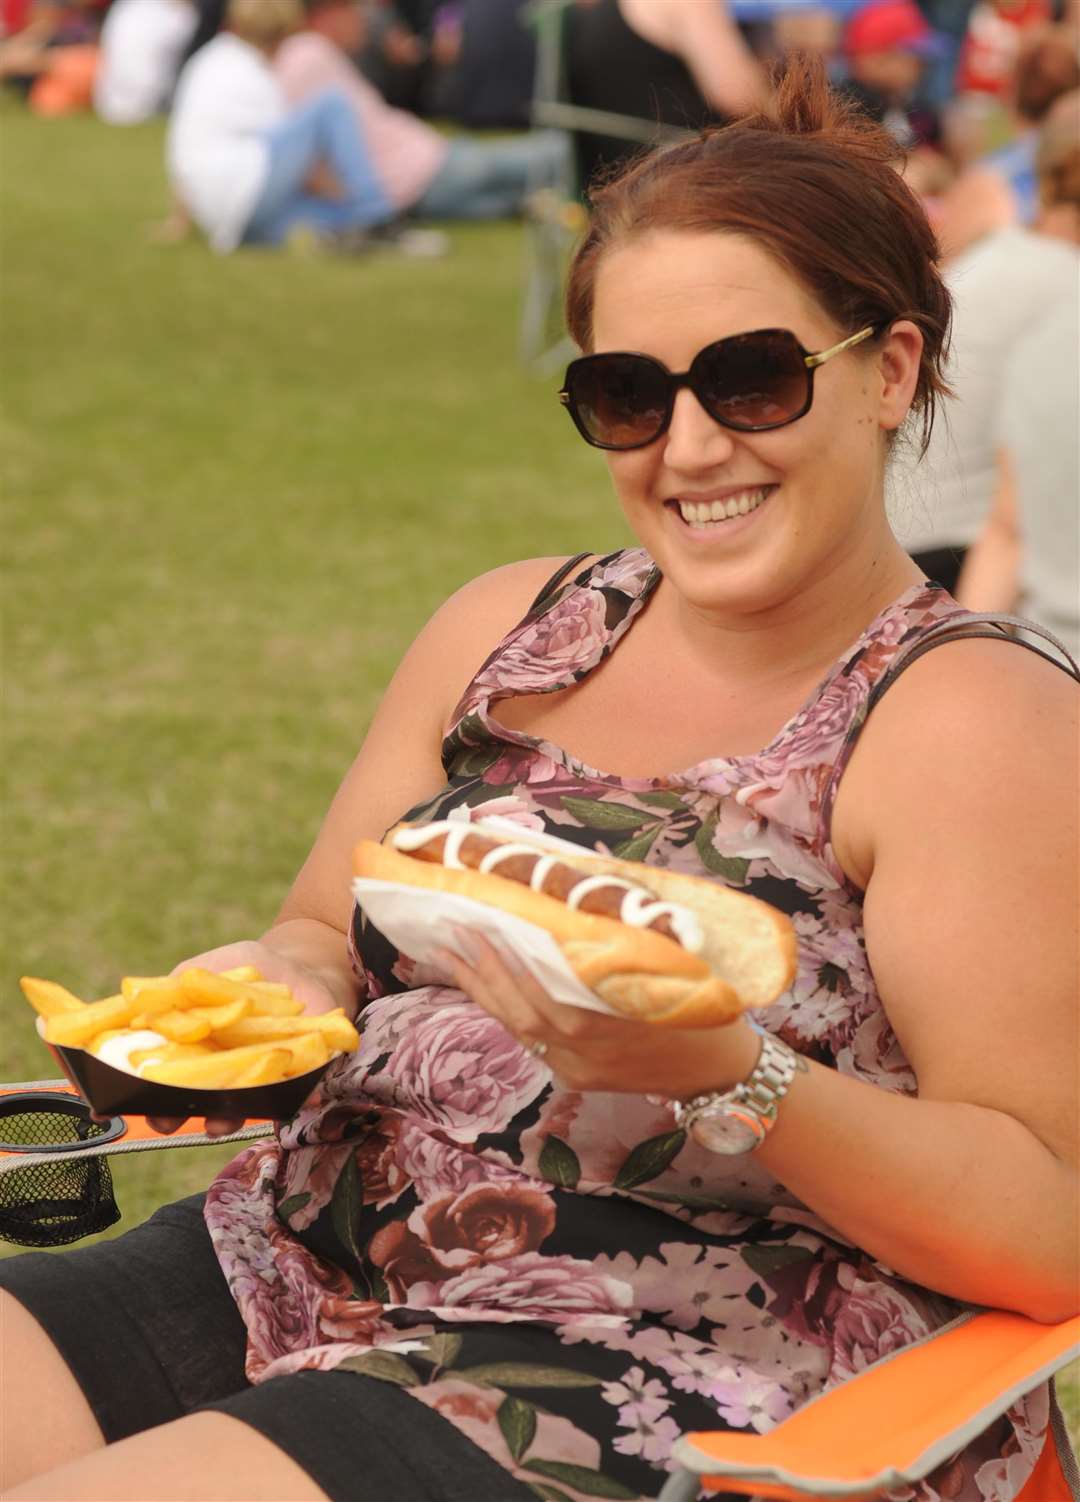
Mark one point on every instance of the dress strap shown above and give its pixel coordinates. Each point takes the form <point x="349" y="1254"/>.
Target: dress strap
<point x="993" y="627"/>
<point x="557" y="578"/>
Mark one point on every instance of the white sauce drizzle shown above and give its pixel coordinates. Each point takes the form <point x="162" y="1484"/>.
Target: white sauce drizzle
<point x="637" y="909"/>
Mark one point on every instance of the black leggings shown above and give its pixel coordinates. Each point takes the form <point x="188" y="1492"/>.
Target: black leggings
<point x="151" y="1333"/>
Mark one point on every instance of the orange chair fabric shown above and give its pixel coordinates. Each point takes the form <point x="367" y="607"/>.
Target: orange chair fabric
<point x="899" y="1419"/>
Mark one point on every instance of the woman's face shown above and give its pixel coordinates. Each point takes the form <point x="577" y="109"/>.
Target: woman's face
<point x="814" y="488"/>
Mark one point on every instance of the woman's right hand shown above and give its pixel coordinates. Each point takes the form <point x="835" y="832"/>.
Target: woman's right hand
<point x="304" y="984"/>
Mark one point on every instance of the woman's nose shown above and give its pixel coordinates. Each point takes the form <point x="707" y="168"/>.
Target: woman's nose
<point x="694" y="439"/>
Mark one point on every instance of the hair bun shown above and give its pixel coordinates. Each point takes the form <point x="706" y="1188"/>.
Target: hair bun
<point x="804" y="103"/>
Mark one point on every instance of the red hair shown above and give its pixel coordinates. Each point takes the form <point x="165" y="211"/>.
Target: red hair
<point x="813" y="182"/>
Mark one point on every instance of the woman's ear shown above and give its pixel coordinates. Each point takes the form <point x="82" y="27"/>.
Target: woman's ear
<point x="898" y="362"/>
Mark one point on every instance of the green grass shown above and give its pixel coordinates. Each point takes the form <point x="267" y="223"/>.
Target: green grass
<point x="233" y="490"/>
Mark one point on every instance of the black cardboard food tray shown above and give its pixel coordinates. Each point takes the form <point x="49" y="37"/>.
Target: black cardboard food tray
<point x="114" y="1092"/>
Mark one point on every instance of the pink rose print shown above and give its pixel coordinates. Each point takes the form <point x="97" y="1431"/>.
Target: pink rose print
<point x="494" y="1221"/>
<point x="403" y="1259"/>
<point x="529" y="1286"/>
<point x="521" y="763"/>
<point x="436" y="1167"/>
<point x="484" y="1222"/>
<point x="564" y="640"/>
<point x="381" y="1174"/>
<point x="460" y="1069"/>
<point x="873" y="1321"/>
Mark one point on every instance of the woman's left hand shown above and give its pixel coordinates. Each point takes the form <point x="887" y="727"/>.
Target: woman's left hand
<point x="592" y="1050"/>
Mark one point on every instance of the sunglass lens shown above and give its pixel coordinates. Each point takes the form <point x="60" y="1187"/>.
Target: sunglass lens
<point x="754" y="381"/>
<point x="620" y="401"/>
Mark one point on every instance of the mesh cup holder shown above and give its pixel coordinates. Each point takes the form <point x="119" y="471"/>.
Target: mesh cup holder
<point x="52" y="1204"/>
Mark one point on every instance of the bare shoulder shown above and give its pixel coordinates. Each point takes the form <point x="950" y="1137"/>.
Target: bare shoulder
<point x="474" y="619"/>
<point x="970" y="720"/>
<point x="481" y="612"/>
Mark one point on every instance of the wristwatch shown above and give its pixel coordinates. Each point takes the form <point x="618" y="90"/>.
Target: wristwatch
<point x="739" y="1120"/>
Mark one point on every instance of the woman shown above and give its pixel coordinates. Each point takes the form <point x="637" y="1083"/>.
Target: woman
<point x="492" y="1257"/>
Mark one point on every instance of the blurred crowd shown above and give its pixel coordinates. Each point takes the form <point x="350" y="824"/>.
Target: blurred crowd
<point x="326" y="122"/>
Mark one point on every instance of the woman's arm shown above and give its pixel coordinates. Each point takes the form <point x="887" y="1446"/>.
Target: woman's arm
<point x="705" y="36"/>
<point x="959" y="813"/>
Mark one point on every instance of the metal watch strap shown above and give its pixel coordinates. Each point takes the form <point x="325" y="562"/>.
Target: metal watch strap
<point x="762" y="1090"/>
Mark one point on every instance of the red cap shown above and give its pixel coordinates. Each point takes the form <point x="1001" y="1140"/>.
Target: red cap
<point x="889" y="26"/>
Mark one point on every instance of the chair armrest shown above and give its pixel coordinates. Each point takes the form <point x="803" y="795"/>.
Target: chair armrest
<point x="891" y="1424"/>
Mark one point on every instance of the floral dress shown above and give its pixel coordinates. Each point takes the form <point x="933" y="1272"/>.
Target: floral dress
<point x="565" y="1276"/>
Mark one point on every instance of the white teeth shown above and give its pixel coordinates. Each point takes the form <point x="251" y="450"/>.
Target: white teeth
<point x="708" y="513"/>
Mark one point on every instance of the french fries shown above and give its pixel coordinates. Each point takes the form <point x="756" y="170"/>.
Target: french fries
<point x="218" y="1031"/>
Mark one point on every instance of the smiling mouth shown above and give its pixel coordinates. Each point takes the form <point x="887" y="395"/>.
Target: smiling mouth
<point x="716" y="513"/>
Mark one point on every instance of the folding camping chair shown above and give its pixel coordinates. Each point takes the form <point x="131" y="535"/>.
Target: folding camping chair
<point x="885" y="1428"/>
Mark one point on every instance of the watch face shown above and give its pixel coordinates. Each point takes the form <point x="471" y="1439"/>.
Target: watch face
<point x="728" y="1131"/>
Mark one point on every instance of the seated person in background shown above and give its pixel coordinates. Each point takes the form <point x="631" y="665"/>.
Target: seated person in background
<point x="421" y="171"/>
<point x="1001" y="286"/>
<point x="1000" y="188"/>
<point x="142" y="46"/>
<point x="1027" y="557"/>
<point x="246" y="167"/>
<point x="508" y="1238"/>
<point x="680" y="65"/>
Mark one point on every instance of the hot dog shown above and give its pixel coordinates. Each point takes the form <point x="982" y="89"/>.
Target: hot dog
<point x="655" y="945"/>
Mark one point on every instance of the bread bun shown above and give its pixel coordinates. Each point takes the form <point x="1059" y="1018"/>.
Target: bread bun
<point x="734" y="951"/>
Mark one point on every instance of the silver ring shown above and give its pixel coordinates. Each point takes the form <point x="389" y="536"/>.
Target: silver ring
<point x="537" y="1049"/>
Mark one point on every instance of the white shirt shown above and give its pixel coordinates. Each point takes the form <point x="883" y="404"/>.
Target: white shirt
<point x="227" y="98"/>
<point x="1040" y="426"/>
<point x="1000" y="287"/>
<point x="141" y="44"/>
